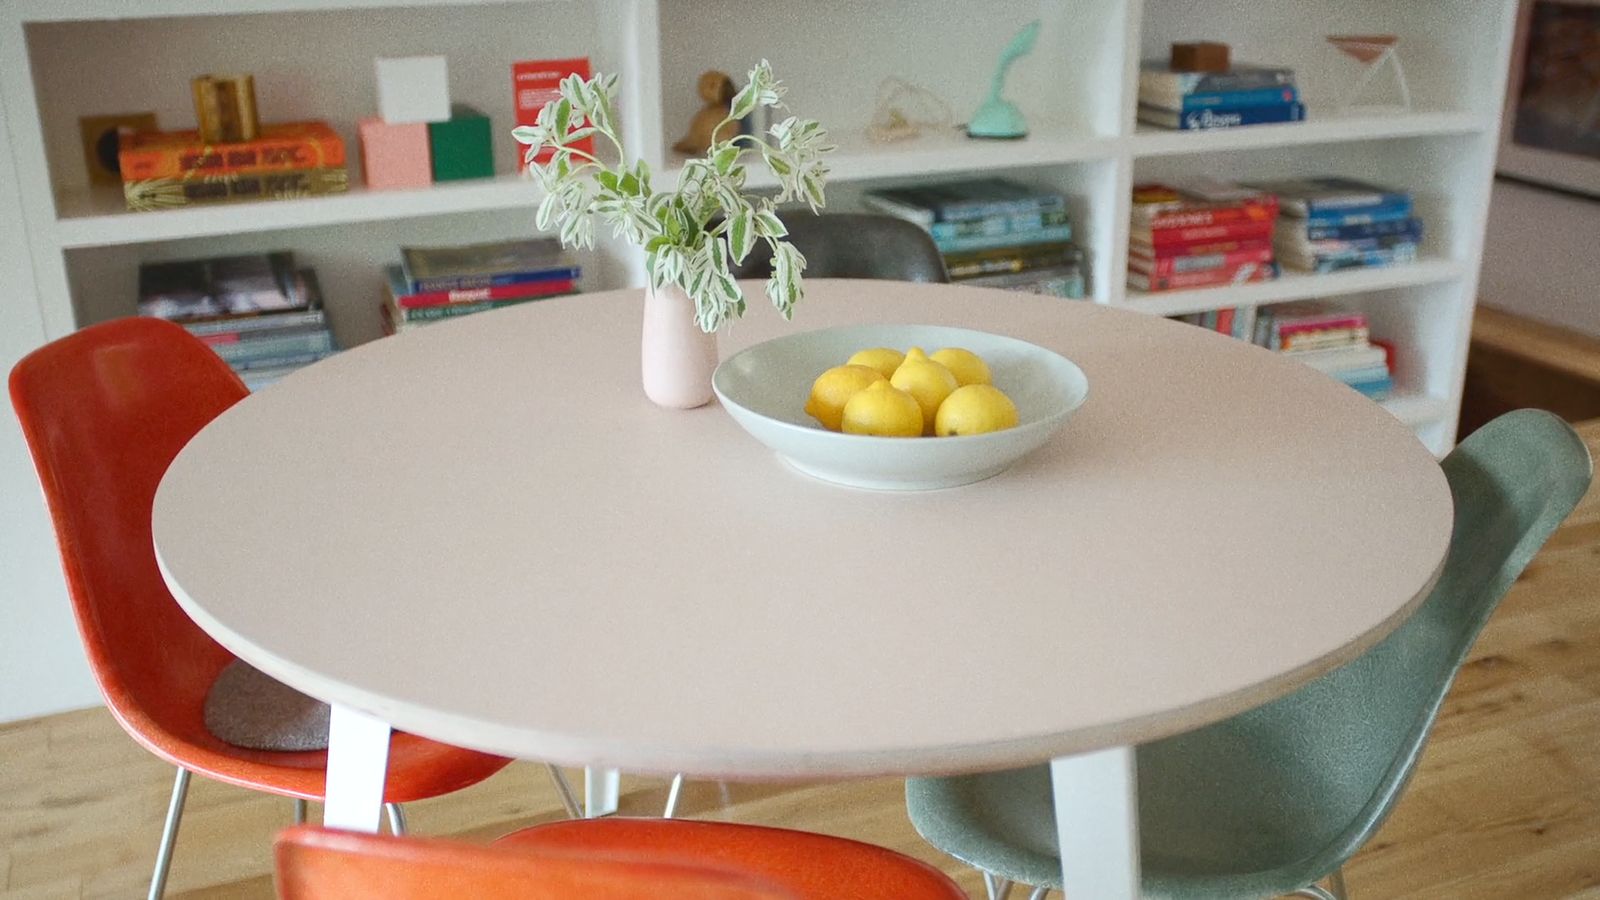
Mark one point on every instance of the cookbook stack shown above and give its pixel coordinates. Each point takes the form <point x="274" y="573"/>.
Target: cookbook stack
<point x="1200" y="234"/>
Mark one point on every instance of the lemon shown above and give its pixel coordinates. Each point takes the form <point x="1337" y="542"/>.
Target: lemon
<point x="975" y="409"/>
<point x="966" y="366"/>
<point x="926" y="381"/>
<point x="884" y="411"/>
<point x="834" y="388"/>
<point x="883" y="359"/>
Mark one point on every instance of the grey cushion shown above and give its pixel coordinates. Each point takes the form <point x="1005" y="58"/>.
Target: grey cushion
<point x="248" y="709"/>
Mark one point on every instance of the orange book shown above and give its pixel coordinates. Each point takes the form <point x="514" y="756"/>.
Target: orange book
<point x="184" y="155"/>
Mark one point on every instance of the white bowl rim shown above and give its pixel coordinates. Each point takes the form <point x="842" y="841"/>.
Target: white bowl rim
<point x="962" y="439"/>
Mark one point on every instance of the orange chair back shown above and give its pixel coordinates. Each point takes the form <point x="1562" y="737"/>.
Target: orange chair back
<point x="104" y="411"/>
<point x="318" y="864"/>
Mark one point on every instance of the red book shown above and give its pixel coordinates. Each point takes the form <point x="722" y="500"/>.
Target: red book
<point x="1330" y="322"/>
<point x="1172" y="264"/>
<point x="536" y="82"/>
<point x="1243" y="274"/>
<point x="518" y="291"/>
<point x="1215" y="215"/>
<point x="1198" y="248"/>
<point x="1233" y="231"/>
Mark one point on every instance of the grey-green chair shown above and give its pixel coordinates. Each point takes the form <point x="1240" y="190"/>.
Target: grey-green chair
<point x="1274" y="800"/>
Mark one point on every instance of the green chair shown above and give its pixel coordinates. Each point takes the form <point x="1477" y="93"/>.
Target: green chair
<point x="1276" y="799"/>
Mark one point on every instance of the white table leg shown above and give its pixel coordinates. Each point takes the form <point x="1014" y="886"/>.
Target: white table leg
<point x="1097" y="824"/>
<point x="602" y="789"/>
<point x="358" y="763"/>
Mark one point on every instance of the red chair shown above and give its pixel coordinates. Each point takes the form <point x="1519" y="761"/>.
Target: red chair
<point x="104" y="412"/>
<point x="603" y="859"/>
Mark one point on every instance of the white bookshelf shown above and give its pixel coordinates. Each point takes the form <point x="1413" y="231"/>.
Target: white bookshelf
<point x="61" y="59"/>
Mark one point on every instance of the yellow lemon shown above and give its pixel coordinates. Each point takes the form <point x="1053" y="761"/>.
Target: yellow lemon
<point x="834" y="388"/>
<point x="883" y="411"/>
<point x="966" y="366"/>
<point x="883" y="359"/>
<point x="975" y="409"/>
<point x="925" y="380"/>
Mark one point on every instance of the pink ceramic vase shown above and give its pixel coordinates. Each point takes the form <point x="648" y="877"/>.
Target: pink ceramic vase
<point x="676" y="357"/>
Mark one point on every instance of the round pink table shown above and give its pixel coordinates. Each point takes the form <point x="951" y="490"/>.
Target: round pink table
<point x="485" y="534"/>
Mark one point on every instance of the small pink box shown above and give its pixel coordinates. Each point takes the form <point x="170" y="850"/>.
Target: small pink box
<point x="395" y="156"/>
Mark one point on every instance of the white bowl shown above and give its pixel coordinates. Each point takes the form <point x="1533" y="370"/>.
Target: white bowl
<point x="765" y="388"/>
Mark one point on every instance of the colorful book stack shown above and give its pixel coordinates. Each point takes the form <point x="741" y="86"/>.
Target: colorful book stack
<point x="1330" y="224"/>
<point x="994" y="233"/>
<point x="1200" y="234"/>
<point x="1235" y="323"/>
<point x="432" y="284"/>
<point x="1194" y="101"/>
<point x="1336" y="342"/>
<point x="168" y="169"/>
<point x="259" y="313"/>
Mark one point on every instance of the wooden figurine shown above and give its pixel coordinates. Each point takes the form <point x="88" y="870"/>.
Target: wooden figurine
<point x="717" y="90"/>
<point x="1201" y="56"/>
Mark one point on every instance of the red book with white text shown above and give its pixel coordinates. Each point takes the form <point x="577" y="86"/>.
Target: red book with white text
<point x="536" y="82"/>
<point x="1164" y="264"/>
<point x="1243" y="274"/>
<point x="478" y="295"/>
<point x="1232" y="231"/>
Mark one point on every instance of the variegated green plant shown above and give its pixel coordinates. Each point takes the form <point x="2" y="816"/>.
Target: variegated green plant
<point x="695" y="232"/>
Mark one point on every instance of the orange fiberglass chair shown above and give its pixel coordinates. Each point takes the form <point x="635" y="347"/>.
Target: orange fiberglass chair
<point x="604" y="859"/>
<point x="104" y="412"/>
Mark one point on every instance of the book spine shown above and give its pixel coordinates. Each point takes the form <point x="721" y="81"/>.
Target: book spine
<point x="202" y="160"/>
<point x="1322" y="339"/>
<point x="527" y="289"/>
<point x="1265" y="211"/>
<point x="1288" y="326"/>
<point x="1333" y="218"/>
<point x="965" y="210"/>
<point x="1236" y="231"/>
<point x="1182" y="84"/>
<point x="1242" y="275"/>
<point x="430" y="313"/>
<point x="1267" y="96"/>
<point x="1403" y="253"/>
<point x="991" y="242"/>
<point x="446" y="283"/>
<point x="253" y="336"/>
<point x="278" y="362"/>
<point x="271" y="349"/>
<point x="998" y="225"/>
<point x="1172" y="265"/>
<point x="171" y="193"/>
<point x="1399" y="227"/>
<point x="964" y="267"/>
<point x="1373" y="202"/>
<point x="1339" y="248"/>
<point x="1234" y="117"/>
<point x="245" y="324"/>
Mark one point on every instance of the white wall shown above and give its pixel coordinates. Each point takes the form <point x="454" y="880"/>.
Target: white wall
<point x="42" y="667"/>
<point x="1541" y="256"/>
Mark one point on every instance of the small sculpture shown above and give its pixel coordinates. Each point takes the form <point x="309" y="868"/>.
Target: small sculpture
<point x="997" y="117"/>
<point x="717" y="90"/>
<point x="1374" y="51"/>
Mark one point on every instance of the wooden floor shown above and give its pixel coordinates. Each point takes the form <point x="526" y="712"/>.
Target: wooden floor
<point x="1506" y="804"/>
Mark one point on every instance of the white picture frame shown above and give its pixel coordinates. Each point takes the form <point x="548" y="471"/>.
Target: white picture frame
<point x="1551" y="137"/>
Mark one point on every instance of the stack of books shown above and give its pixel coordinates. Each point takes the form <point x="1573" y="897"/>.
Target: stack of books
<point x="261" y="314"/>
<point x="432" y="284"/>
<point x="166" y="170"/>
<point x="994" y="233"/>
<point x="1235" y="323"/>
<point x="1200" y="234"/>
<point x="1334" y="341"/>
<point x="1330" y="224"/>
<point x="1193" y="101"/>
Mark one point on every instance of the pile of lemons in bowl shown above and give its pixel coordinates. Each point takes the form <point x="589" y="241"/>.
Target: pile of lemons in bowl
<point x="881" y="391"/>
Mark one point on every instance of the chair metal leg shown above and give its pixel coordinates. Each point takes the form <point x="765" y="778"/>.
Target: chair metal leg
<point x="569" y="799"/>
<point x="1315" y="892"/>
<point x="169" y="834"/>
<point x="672" y="796"/>
<point x="299" y="811"/>
<point x="1336" y="885"/>
<point x="997" y="888"/>
<point x="397" y="818"/>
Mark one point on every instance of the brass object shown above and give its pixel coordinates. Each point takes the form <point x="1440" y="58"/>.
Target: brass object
<point x="225" y="108"/>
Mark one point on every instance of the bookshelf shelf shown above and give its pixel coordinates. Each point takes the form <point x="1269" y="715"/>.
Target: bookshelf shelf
<point x="1295" y="286"/>
<point x="99" y="218"/>
<point x="1149" y="141"/>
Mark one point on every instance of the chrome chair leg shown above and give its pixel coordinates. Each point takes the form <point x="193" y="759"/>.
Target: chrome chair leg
<point x="169" y="834"/>
<point x="1038" y="893"/>
<point x="299" y="811"/>
<point x="569" y="799"/>
<point x="397" y="818"/>
<point x="997" y="888"/>
<point x="672" y="796"/>
<point x="1315" y="892"/>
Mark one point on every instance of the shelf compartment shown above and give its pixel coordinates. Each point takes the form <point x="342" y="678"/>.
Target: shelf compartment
<point x="1295" y="286"/>
<point x="99" y="218"/>
<point x="1149" y="140"/>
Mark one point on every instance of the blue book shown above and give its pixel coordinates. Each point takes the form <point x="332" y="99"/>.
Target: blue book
<point x="1239" y="99"/>
<point x="995" y="241"/>
<point x="1375" y="389"/>
<point x="1360" y="215"/>
<point x="1222" y="116"/>
<point x="270" y="350"/>
<point x="1407" y="226"/>
<point x="998" y="225"/>
<point x="1304" y="197"/>
<point x="964" y="201"/>
<point x="431" y="269"/>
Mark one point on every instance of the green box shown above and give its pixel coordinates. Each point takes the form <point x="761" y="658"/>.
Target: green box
<point x="463" y="147"/>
